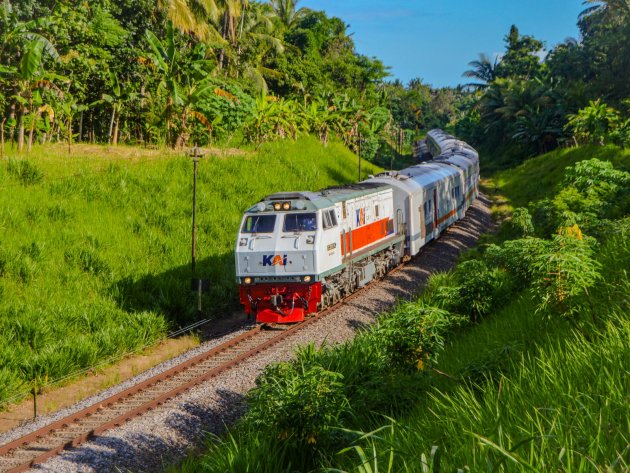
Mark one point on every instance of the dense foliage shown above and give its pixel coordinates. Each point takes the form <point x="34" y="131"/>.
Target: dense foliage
<point x="519" y="105"/>
<point x="183" y="72"/>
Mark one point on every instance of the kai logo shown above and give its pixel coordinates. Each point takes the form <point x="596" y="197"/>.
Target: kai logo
<point x="274" y="260"/>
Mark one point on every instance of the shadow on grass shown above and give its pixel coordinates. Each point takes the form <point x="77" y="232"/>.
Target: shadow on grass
<point x="169" y="292"/>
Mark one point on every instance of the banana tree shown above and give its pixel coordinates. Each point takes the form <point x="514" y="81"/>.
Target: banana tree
<point x="39" y="109"/>
<point x="27" y="78"/>
<point x="120" y="96"/>
<point x="21" y="45"/>
<point x="183" y="83"/>
<point x="322" y="119"/>
<point x="70" y="107"/>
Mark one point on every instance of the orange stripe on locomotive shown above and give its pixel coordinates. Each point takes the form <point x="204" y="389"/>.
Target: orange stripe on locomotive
<point x="365" y="236"/>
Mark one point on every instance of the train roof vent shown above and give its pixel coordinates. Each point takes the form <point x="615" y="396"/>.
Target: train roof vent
<point x="306" y="195"/>
<point x="394" y="175"/>
<point x="360" y="186"/>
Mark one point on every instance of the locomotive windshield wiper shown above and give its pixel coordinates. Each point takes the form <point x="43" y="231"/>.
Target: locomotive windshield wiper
<point x="255" y="237"/>
<point x="296" y="243"/>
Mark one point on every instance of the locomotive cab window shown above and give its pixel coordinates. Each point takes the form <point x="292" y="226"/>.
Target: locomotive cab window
<point x="329" y="219"/>
<point x="259" y="224"/>
<point x="302" y="222"/>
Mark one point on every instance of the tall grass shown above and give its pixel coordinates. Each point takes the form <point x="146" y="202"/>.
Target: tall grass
<point x="95" y="254"/>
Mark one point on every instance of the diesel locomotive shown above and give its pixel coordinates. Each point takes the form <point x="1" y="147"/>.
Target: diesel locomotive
<point x="300" y="252"/>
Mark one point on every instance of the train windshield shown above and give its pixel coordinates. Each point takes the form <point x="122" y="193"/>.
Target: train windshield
<point x="302" y="222"/>
<point x="259" y="224"/>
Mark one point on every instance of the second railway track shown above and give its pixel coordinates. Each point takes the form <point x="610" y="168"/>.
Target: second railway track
<point x="79" y="427"/>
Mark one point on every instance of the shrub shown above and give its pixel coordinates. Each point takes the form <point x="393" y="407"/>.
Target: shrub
<point x="413" y="334"/>
<point x="518" y="257"/>
<point x="370" y="383"/>
<point x="475" y="290"/>
<point x="298" y="402"/>
<point x="520" y="224"/>
<point x="563" y="273"/>
<point x="594" y="123"/>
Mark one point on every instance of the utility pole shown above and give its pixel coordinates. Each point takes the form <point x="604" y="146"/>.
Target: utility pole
<point x="360" y="139"/>
<point x="195" y="154"/>
<point x="198" y="285"/>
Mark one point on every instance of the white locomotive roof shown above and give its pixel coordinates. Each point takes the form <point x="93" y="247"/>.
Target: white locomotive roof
<point x="323" y="198"/>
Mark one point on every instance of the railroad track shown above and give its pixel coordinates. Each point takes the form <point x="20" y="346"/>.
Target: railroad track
<point x="46" y="442"/>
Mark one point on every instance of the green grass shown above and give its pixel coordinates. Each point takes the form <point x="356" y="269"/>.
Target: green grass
<point x="540" y="177"/>
<point x="95" y="254"/>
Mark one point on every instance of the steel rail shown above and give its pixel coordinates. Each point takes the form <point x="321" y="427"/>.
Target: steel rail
<point x="79" y="427"/>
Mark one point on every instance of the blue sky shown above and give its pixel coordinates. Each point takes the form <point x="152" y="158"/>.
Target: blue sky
<point x="435" y="40"/>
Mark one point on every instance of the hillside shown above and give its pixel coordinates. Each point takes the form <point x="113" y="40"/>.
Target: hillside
<point x="540" y="177"/>
<point x="95" y="255"/>
<point x="513" y="361"/>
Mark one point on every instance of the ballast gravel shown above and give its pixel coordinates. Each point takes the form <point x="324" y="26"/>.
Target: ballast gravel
<point x="165" y="435"/>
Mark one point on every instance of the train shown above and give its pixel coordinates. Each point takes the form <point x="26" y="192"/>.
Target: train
<point x="298" y="253"/>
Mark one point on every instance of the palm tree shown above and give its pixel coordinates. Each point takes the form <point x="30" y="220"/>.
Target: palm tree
<point x="484" y="70"/>
<point x="258" y="41"/>
<point x="605" y="11"/>
<point x="287" y="12"/>
<point x="192" y="16"/>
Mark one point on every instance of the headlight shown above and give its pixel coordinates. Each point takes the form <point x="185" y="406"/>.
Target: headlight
<point x="307" y="278"/>
<point x="242" y="242"/>
<point x="286" y="206"/>
<point x="310" y="239"/>
<point x="247" y="280"/>
<point x="277" y="206"/>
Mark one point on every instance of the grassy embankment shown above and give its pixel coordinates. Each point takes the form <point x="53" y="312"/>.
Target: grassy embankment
<point x="533" y="342"/>
<point x="95" y="250"/>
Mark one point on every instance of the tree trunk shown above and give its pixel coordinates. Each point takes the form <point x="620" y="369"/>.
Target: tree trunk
<point x="111" y="125"/>
<point x="20" y="121"/>
<point x="30" y="135"/>
<point x="11" y="117"/>
<point x="81" y="127"/>
<point x="69" y="134"/>
<point x="91" y="128"/>
<point x="115" y="135"/>
<point x="2" y="138"/>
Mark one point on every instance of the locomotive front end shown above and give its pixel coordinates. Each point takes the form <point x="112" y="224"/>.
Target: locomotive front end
<point x="276" y="264"/>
